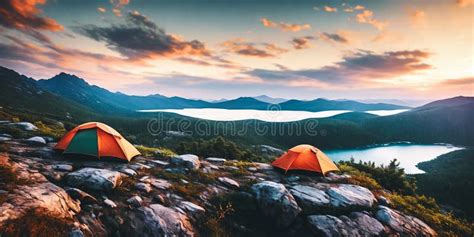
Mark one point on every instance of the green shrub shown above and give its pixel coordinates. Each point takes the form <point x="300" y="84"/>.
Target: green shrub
<point x="51" y="130"/>
<point x="360" y="178"/>
<point x="158" y="152"/>
<point x="427" y="210"/>
<point x="391" y="177"/>
<point x="218" y="147"/>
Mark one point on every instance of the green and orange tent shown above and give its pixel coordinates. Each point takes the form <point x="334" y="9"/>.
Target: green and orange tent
<point x="305" y="157"/>
<point x="98" y="140"/>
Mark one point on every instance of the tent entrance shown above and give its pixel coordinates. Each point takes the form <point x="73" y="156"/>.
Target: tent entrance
<point x="84" y="142"/>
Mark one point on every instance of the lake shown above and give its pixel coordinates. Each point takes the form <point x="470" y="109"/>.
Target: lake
<point x="264" y="115"/>
<point x="407" y="154"/>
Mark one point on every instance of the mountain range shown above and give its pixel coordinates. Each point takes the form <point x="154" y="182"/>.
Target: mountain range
<point x="77" y="89"/>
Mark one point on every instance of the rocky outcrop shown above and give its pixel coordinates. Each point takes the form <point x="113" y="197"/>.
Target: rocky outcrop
<point x="45" y="196"/>
<point x="356" y="224"/>
<point x="36" y="141"/>
<point x="403" y="224"/>
<point x="160" y="221"/>
<point x="229" y="182"/>
<point x="351" y="196"/>
<point x="95" y="179"/>
<point x="276" y="202"/>
<point x="188" y="160"/>
<point x="310" y="198"/>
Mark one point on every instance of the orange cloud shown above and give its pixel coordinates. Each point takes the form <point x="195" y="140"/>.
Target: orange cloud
<point x="330" y="9"/>
<point x="417" y="17"/>
<point x="340" y="37"/>
<point x="464" y="3"/>
<point x="24" y="15"/>
<point x="101" y="9"/>
<point x="261" y="50"/>
<point x="356" y="8"/>
<point x="118" y="5"/>
<point x="367" y="17"/>
<point x="286" y="27"/>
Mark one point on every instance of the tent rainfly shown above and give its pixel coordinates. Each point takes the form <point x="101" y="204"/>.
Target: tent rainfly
<point x="305" y="157"/>
<point x="98" y="140"/>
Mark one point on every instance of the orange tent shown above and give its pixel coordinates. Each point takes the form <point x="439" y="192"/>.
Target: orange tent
<point x="96" y="139"/>
<point x="305" y="157"/>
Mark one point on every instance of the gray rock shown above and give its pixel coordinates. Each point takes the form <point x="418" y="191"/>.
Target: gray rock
<point x="4" y="139"/>
<point x="36" y="140"/>
<point x="252" y="169"/>
<point x="76" y="233"/>
<point x="53" y="199"/>
<point x="229" y="182"/>
<point x="63" y="167"/>
<point x="160" y="162"/>
<point x="138" y="166"/>
<point x="188" y="160"/>
<point x="402" y="224"/>
<point x="78" y="194"/>
<point x="358" y="224"/>
<point x="95" y="179"/>
<point x="160" y="183"/>
<point x="383" y="201"/>
<point x="144" y="187"/>
<point x="160" y="221"/>
<point x="26" y="126"/>
<point x="216" y="160"/>
<point x="276" y="202"/>
<point x="110" y="203"/>
<point x="310" y="199"/>
<point x="350" y="196"/>
<point x="135" y="201"/>
<point x="191" y="207"/>
<point x="293" y="178"/>
<point x="129" y="172"/>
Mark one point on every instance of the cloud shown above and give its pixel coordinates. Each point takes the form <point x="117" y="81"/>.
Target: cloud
<point x="340" y="37"/>
<point x="141" y="38"/>
<point x="24" y="15"/>
<point x="101" y="9"/>
<point x="330" y="9"/>
<point x="367" y="17"/>
<point x="261" y="50"/>
<point x="417" y="17"/>
<point x="356" y="67"/>
<point x="302" y="42"/>
<point x="353" y="9"/>
<point x="285" y="27"/>
<point x="467" y="81"/>
<point x="464" y="3"/>
<point x="117" y="6"/>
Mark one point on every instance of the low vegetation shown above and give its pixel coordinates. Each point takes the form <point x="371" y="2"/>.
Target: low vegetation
<point x="37" y="222"/>
<point x="55" y="130"/>
<point x="158" y="152"/>
<point x="404" y="196"/>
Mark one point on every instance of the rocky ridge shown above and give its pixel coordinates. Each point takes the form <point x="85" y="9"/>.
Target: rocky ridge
<point x="177" y="197"/>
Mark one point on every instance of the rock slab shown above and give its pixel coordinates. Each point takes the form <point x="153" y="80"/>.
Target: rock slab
<point x="95" y="179"/>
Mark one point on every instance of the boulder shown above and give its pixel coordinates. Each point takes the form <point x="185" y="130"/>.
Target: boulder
<point x="229" y="182"/>
<point x="188" y="160"/>
<point x="110" y="203"/>
<point x="144" y="187"/>
<point x="78" y="194"/>
<point x="191" y="207"/>
<point x="135" y="201"/>
<point x="357" y="224"/>
<point x="402" y="224"/>
<point x="350" y="196"/>
<point x="45" y="196"/>
<point x="216" y="160"/>
<point x="26" y="126"/>
<point x="310" y="199"/>
<point x="95" y="179"/>
<point x="276" y="202"/>
<point x="129" y="172"/>
<point x="160" y="221"/>
<point x="36" y="140"/>
<point x="63" y="167"/>
<point x="160" y="162"/>
<point x="160" y="183"/>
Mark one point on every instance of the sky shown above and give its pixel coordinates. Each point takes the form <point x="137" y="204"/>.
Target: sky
<point x="337" y="49"/>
